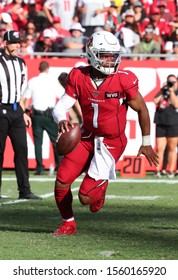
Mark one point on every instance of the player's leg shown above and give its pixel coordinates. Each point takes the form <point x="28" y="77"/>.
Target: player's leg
<point x="93" y="193"/>
<point x="71" y="166"/>
<point x="63" y="197"/>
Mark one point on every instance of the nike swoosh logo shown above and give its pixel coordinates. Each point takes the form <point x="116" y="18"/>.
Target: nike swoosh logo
<point x="134" y="82"/>
<point x="109" y="147"/>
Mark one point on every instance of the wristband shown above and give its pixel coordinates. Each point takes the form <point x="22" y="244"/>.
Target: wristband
<point x="146" y="140"/>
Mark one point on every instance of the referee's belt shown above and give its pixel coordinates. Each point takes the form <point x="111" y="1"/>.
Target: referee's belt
<point x="11" y="105"/>
<point x="47" y="112"/>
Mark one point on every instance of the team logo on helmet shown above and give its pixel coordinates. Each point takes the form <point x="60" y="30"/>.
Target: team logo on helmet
<point x="90" y="42"/>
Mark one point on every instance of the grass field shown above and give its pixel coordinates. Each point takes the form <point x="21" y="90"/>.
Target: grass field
<point x="138" y="222"/>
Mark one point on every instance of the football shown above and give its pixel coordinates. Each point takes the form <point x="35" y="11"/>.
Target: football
<point x="67" y="141"/>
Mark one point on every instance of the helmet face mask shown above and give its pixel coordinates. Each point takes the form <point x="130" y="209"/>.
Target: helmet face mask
<point x="103" y="52"/>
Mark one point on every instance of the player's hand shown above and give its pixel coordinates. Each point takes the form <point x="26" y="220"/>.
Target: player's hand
<point x="150" y="155"/>
<point x="63" y="125"/>
<point x="27" y="119"/>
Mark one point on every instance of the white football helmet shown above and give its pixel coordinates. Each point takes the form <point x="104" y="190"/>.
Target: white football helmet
<point x="103" y="43"/>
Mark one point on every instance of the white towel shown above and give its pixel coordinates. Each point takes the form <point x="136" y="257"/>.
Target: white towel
<point x="102" y="166"/>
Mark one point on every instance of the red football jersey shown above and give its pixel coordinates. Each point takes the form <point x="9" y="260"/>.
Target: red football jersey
<point x="104" y="108"/>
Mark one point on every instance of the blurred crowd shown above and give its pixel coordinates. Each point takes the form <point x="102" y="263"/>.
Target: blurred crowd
<point x="146" y="27"/>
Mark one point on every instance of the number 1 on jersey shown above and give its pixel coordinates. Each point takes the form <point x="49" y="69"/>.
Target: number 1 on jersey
<point x="95" y="115"/>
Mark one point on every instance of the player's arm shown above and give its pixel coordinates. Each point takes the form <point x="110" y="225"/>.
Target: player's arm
<point x="138" y="104"/>
<point x="60" y="110"/>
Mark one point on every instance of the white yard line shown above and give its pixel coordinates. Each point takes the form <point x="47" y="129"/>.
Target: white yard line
<point x="120" y="180"/>
<point x="26" y="200"/>
<point x="76" y="197"/>
<point x="129" y="197"/>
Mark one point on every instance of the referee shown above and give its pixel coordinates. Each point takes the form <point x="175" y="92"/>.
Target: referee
<point x="13" y="120"/>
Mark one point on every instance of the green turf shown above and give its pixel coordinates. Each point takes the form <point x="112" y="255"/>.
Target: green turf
<point x="126" y="228"/>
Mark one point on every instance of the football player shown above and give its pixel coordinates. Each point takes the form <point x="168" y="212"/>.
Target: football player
<point x="104" y="93"/>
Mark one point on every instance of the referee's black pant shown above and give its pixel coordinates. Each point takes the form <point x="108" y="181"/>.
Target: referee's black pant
<point x="12" y="124"/>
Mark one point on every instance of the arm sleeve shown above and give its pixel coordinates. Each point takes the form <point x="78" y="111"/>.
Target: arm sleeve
<point x="61" y="108"/>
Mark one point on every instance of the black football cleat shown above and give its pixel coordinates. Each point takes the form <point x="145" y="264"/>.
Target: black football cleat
<point x="30" y="196"/>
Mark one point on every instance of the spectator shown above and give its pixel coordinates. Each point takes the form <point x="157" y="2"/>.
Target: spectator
<point x="129" y="20"/>
<point x="19" y="12"/>
<point x="111" y="18"/>
<point x="118" y="4"/>
<point x="165" y="13"/>
<point x="75" y="44"/>
<point x="64" y="10"/>
<point x="147" y="4"/>
<point x="58" y="33"/>
<point x="168" y="49"/>
<point x="23" y="49"/>
<point x="162" y="30"/>
<point x="139" y="11"/>
<point x="147" y="46"/>
<point x="45" y="44"/>
<point x="173" y="27"/>
<point x="128" y="5"/>
<point x="171" y="49"/>
<point x="174" y="35"/>
<point x="31" y="30"/>
<point x="166" y="120"/>
<point x="128" y="39"/>
<point x="43" y="91"/>
<point x="92" y="14"/>
<point x="174" y="55"/>
<point x="37" y="16"/>
<point x="171" y="5"/>
<point x="7" y="23"/>
<point x="27" y="45"/>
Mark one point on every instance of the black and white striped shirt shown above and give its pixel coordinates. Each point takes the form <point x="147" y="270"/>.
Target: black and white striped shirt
<point x="13" y="78"/>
